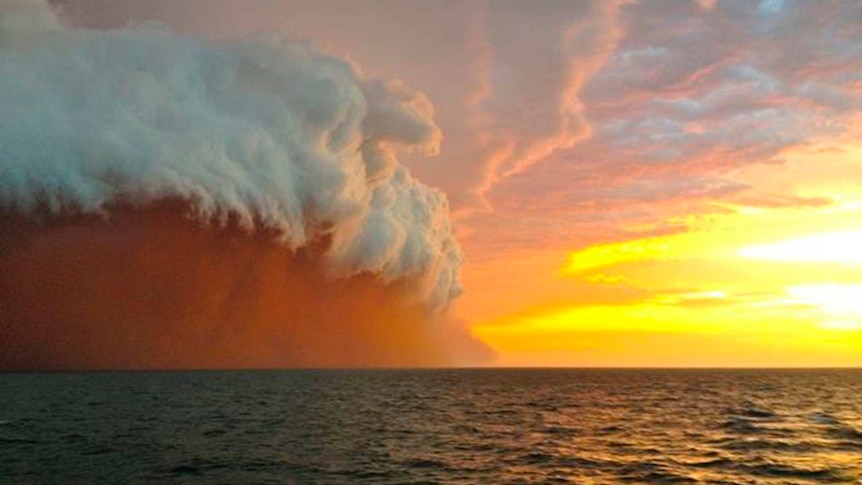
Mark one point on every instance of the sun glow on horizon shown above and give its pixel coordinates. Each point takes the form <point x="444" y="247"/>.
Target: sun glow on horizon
<point x="768" y="287"/>
<point x="769" y="276"/>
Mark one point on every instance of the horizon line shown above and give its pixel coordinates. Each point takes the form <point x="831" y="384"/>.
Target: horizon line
<point x="437" y="368"/>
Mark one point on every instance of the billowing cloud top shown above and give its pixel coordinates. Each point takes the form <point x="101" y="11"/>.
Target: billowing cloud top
<point x="270" y="133"/>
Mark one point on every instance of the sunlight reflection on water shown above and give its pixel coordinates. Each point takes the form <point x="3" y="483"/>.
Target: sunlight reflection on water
<point x="461" y="426"/>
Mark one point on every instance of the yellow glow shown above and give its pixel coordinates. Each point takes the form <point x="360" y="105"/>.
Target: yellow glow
<point x="837" y="247"/>
<point x="662" y="248"/>
<point x="704" y="301"/>
<point x="615" y="253"/>
<point x="746" y="285"/>
<point x="694" y="296"/>
<point x="664" y="331"/>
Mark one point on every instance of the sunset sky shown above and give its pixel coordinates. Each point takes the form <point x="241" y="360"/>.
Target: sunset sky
<point x="653" y="183"/>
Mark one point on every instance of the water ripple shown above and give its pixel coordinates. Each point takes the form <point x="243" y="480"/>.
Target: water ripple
<point x="459" y="426"/>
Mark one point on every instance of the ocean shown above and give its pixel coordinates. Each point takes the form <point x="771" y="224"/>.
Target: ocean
<point x="483" y="426"/>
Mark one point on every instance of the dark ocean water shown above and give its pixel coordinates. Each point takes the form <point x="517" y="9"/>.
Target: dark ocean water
<point x="440" y="426"/>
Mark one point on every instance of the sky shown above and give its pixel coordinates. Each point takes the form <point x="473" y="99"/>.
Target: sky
<point x="653" y="183"/>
